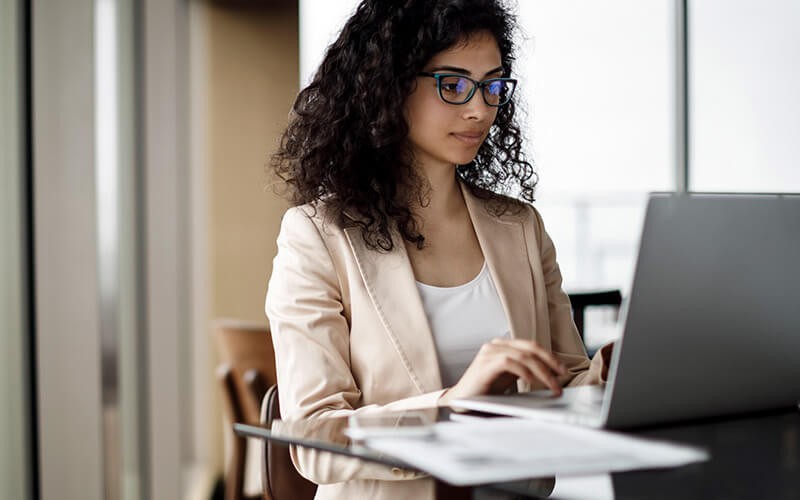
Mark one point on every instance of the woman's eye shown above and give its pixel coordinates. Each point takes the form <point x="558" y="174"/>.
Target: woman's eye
<point x="454" y="85"/>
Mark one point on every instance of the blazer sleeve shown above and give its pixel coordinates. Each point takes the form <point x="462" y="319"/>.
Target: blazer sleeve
<point x="566" y="343"/>
<point x="312" y="344"/>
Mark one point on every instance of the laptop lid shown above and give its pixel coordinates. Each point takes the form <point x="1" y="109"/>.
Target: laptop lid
<point x="713" y="322"/>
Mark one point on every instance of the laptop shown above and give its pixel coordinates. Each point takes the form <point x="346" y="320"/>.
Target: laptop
<point x="712" y="326"/>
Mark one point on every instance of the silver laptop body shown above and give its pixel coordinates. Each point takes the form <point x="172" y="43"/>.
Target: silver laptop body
<point x="712" y="326"/>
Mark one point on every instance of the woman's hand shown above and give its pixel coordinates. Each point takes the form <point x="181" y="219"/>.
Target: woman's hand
<point x="500" y="363"/>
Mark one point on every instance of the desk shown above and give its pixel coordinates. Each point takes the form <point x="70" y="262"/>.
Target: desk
<point x="754" y="456"/>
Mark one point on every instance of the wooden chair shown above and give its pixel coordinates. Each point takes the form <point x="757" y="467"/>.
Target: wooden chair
<point x="247" y="371"/>
<point x="280" y="479"/>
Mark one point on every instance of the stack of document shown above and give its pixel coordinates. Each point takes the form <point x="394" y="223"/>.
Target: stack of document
<point x="509" y="449"/>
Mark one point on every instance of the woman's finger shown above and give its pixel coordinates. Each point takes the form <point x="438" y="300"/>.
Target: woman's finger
<point x="536" y="350"/>
<point x="533" y="367"/>
<point x="502" y="363"/>
<point x="544" y="374"/>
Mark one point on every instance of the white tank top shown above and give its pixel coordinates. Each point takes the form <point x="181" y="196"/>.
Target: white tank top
<point x="463" y="318"/>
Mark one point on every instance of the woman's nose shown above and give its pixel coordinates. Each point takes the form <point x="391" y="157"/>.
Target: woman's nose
<point x="476" y="108"/>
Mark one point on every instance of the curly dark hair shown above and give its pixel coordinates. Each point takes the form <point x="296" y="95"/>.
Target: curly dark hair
<point x="346" y="143"/>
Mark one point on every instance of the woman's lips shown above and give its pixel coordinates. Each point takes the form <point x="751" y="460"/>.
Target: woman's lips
<point x="471" y="138"/>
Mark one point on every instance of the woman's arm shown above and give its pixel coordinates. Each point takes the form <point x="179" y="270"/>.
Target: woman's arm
<point x="566" y="344"/>
<point x="312" y="345"/>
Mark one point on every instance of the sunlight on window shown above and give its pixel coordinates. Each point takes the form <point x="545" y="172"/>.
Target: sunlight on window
<point x="598" y="84"/>
<point x="320" y="23"/>
<point x="745" y="106"/>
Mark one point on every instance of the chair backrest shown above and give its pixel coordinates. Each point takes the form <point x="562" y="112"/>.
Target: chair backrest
<point x="580" y="301"/>
<point x="281" y="480"/>
<point x="247" y="349"/>
<point x="246" y="372"/>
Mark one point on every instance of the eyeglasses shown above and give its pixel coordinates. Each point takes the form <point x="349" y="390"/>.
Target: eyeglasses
<point x="459" y="89"/>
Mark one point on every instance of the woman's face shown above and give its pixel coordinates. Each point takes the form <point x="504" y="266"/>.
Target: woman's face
<point x="442" y="134"/>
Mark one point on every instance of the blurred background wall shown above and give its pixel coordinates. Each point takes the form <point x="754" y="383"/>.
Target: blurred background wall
<point x="16" y="456"/>
<point x="246" y="78"/>
<point x="252" y="80"/>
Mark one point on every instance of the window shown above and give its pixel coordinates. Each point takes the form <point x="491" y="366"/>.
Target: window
<point x="743" y="96"/>
<point x="599" y="85"/>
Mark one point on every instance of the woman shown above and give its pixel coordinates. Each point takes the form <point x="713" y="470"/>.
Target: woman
<point x="404" y="278"/>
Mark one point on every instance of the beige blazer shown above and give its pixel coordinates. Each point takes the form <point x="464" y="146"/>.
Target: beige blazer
<point x="350" y="332"/>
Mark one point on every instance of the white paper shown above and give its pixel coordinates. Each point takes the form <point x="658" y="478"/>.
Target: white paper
<point x="508" y="449"/>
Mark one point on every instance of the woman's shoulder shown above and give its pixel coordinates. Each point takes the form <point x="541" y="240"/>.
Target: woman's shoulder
<point x="316" y="216"/>
<point x="509" y="210"/>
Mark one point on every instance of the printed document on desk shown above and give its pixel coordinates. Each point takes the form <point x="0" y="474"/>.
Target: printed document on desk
<point x="508" y="449"/>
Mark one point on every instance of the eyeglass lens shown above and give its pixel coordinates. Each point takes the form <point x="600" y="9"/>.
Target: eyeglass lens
<point x="458" y="90"/>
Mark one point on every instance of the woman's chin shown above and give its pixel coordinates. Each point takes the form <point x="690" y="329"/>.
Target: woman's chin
<point x="462" y="157"/>
<point x="464" y="160"/>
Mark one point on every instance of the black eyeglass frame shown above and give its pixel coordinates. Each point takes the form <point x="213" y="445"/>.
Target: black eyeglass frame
<point x="475" y="85"/>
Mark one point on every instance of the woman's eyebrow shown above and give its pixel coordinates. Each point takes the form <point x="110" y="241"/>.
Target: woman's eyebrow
<point x="456" y="69"/>
<point x="498" y="69"/>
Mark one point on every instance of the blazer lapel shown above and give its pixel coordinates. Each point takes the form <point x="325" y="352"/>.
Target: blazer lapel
<point x="502" y="241"/>
<point x="390" y="283"/>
